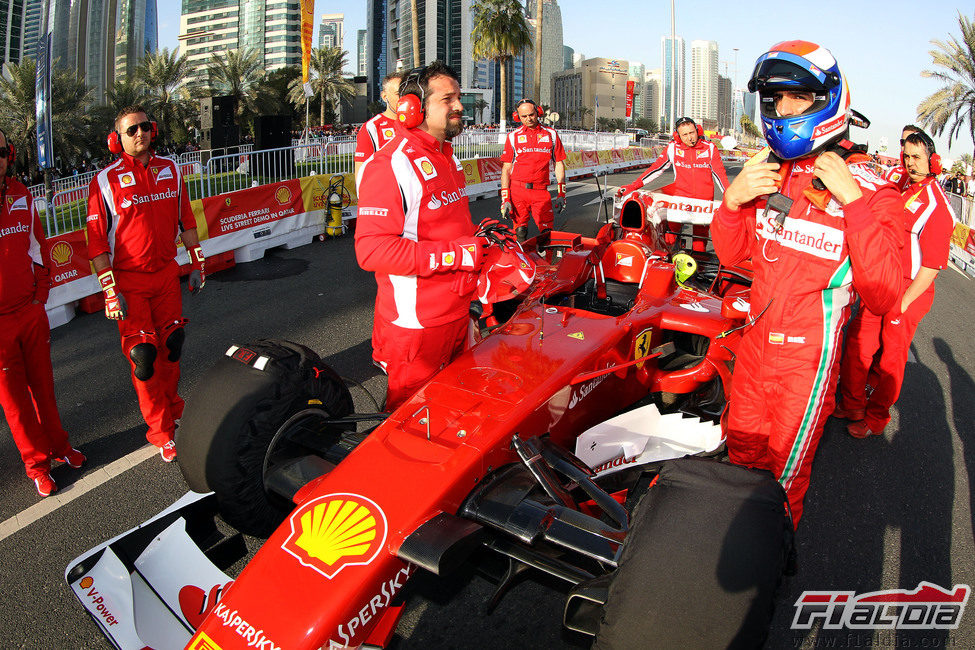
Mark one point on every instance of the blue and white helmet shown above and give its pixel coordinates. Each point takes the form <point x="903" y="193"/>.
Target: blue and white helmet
<point x="801" y="65"/>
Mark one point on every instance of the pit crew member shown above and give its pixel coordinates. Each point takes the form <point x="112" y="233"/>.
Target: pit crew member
<point x="898" y="175"/>
<point x="414" y="231"/>
<point x="697" y="167"/>
<point x="928" y="222"/>
<point x="810" y="249"/>
<point x="136" y="208"/>
<point x="27" y="380"/>
<point x="524" y="171"/>
<point x="381" y="128"/>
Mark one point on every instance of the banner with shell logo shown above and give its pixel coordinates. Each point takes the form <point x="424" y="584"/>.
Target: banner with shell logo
<point x="68" y="255"/>
<point x="335" y="531"/>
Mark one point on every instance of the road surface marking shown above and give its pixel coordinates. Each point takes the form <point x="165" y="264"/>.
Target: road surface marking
<point x="64" y="496"/>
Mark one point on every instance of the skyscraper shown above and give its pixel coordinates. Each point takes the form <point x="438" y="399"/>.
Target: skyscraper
<point x="637" y="75"/>
<point x="102" y="40"/>
<point x="653" y="82"/>
<point x="12" y="30"/>
<point x="567" y="54"/>
<point x="704" y="83"/>
<point x="377" y="48"/>
<point x="362" y="67"/>
<point x="672" y="91"/>
<point x="444" y="34"/>
<point x="269" y="27"/>
<point x="331" y="31"/>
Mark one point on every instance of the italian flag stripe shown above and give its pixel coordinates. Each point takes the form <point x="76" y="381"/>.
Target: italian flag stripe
<point x="835" y="298"/>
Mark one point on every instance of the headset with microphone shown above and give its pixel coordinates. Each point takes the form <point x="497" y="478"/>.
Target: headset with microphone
<point x="686" y="120"/>
<point x="934" y="159"/>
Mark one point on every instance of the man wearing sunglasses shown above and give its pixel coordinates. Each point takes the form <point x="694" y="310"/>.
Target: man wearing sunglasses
<point x="137" y="206"/>
<point x="27" y="380"/>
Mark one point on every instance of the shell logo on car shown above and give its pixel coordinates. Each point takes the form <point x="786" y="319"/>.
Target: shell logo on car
<point x="335" y="531"/>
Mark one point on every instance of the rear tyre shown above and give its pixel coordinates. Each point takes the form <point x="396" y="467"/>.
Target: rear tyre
<point x="230" y="421"/>
<point x="707" y="546"/>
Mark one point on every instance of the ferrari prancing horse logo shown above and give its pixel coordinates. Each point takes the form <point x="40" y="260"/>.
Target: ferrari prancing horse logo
<point x="641" y="346"/>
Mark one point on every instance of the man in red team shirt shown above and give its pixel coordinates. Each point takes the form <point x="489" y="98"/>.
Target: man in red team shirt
<point x="524" y="172"/>
<point x="381" y="128"/>
<point x="414" y="231"/>
<point x="136" y="208"/>
<point x="697" y="166"/>
<point x="927" y="227"/>
<point x="27" y="380"/>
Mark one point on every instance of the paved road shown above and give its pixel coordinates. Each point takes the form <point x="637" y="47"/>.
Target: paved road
<point x="882" y="513"/>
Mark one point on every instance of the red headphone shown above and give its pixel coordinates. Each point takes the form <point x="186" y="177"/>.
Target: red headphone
<point x="409" y="108"/>
<point x="934" y="159"/>
<point x="538" y="110"/>
<point x="11" y="154"/>
<point x="115" y="140"/>
<point x="686" y="120"/>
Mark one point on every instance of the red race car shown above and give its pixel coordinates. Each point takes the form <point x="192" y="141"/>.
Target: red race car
<point x="561" y="441"/>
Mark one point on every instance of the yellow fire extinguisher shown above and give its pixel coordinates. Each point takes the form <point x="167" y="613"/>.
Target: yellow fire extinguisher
<point x="335" y="198"/>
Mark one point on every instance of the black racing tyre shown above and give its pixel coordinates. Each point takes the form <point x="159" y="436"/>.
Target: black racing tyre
<point x="706" y="549"/>
<point x="231" y="418"/>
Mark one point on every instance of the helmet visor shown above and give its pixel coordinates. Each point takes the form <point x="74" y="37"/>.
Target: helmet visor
<point x="783" y="70"/>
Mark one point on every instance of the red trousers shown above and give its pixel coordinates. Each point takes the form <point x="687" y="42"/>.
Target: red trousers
<point x="413" y="357"/>
<point x="27" y="389"/>
<point x="892" y="335"/>
<point x="536" y="203"/>
<point x="154" y="313"/>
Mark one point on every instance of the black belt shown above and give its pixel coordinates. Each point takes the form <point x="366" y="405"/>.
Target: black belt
<point x="531" y="186"/>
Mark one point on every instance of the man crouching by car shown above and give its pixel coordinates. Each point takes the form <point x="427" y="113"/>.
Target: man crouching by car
<point x="414" y="232"/>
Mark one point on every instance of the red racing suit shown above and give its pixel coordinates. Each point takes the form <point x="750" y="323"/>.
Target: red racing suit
<point x="27" y="380"/>
<point x="530" y="151"/>
<point x="927" y="225"/>
<point x="698" y="170"/>
<point x="135" y="214"/>
<point x="412" y="205"/>
<point x="373" y="135"/>
<point x="805" y="273"/>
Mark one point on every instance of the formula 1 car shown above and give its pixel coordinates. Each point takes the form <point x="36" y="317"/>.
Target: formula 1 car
<point x="561" y="442"/>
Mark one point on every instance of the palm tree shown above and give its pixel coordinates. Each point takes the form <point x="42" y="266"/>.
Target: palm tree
<point x="500" y="33"/>
<point x="325" y="77"/>
<point x="167" y="100"/>
<point x="70" y="102"/>
<point x="238" y="74"/>
<point x="126" y="92"/>
<point x="415" y="33"/>
<point x="479" y="105"/>
<point x="955" y="101"/>
<point x="538" y="50"/>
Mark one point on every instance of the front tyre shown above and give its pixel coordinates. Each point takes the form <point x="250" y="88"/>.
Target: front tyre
<point x="706" y="549"/>
<point x="230" y="421"/>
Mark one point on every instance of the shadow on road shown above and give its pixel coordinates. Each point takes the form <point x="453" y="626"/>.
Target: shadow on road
<point x="861" y="533"/>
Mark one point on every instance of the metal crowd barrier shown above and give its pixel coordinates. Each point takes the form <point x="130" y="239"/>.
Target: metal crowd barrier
<point x="238" y="171"/>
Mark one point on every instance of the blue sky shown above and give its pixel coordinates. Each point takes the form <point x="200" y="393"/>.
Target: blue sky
<point x="881" y="45"/>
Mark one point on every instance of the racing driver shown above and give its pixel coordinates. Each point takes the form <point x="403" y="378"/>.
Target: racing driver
<point x="414" y="231"/>
<point x="381" y="128"/>
<point x="524" y="171"/>
<point x="137" y="206"/>
<point x="810" y="249"/>
<point x="697" y="168"/>
<point x="927" y="227"/>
